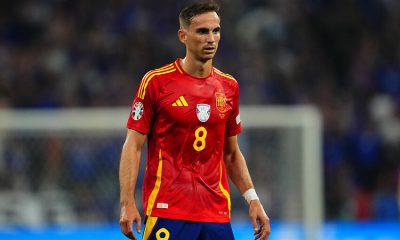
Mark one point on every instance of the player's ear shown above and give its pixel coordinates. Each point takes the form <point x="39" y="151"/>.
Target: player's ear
<point x="182" y="35"/>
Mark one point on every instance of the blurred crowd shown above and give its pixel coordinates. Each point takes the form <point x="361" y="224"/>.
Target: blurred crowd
<point x="339" y="55"/>
<point x="63" y="178"/>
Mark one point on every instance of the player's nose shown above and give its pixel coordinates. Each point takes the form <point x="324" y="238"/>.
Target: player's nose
<point x="210" y="37"/>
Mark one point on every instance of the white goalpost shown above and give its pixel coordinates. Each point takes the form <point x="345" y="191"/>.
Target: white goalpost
<point x="308" y="120"/>
<point x="281" y="143"/>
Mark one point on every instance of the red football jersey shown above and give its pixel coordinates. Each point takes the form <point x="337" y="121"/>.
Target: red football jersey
<point x="186" y="120"/>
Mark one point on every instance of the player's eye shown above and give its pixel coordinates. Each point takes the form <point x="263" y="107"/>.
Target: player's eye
<point x="202" y="30"/>
<point x="216" y="30"/>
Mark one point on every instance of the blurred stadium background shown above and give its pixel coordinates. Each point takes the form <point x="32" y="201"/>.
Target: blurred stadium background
<point x="340" y="56"/>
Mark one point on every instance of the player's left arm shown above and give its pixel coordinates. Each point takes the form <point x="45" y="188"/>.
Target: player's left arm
<point x="239" y="174"/>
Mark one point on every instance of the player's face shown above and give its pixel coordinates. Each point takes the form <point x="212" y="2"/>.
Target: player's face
<point x="202" y="36"/>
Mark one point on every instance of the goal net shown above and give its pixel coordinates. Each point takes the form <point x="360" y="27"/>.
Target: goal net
<point x="61" y="166"/>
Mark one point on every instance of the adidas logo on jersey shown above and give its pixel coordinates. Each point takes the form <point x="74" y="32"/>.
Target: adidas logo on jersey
<point x="180" y="102"/>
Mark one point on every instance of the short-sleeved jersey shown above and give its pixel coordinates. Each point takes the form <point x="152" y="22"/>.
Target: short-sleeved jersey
<point x="186" y="120"/>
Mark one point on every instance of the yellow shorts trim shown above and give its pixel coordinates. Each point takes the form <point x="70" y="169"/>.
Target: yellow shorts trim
<point x="150" y="223"/>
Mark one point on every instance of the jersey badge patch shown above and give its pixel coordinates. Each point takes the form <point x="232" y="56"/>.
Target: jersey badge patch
<point x="203" y="112"/>
<point x="220" y="101"/>
<point x="137" y="111"/>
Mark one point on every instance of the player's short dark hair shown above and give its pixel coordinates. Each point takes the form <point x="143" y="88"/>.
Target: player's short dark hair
<point x="197" y="8"/>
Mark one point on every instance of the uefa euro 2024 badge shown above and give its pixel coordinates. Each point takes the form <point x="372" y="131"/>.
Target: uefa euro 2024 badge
<point x="137" y="111"/>
<point x="203" y="112"/>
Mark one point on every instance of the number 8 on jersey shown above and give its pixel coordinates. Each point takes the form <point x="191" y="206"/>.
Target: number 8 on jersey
<point x="200" y="142"/>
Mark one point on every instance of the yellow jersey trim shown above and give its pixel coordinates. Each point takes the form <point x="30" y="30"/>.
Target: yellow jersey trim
<point x="224" y="191"/>
<point x="178" y="67"/>
<point x="166" y="67"/>
<point x="150" y="223"/>
<point x="146" y="79"/>
<point x="154" y="193"/>
<point x="224" y="74"/>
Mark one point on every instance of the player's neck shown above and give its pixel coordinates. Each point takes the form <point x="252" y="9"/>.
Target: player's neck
<point x="196" y="68"/>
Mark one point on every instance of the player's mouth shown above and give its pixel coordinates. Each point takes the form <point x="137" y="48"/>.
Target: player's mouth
<point x="209" y="49"/>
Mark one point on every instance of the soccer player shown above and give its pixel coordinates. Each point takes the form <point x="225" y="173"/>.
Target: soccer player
<point x="188" y="112"/>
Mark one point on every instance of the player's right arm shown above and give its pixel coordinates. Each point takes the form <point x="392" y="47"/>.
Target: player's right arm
<point x="128" y="173"/>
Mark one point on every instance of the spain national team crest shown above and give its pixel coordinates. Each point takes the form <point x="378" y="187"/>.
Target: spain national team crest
<point x="220" y="101"/>
<point x="203" y="112"/>
<point x="137" y="111"/>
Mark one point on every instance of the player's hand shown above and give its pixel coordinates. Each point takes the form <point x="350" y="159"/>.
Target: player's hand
<point x="129" y="215"/>
<point x="259" y="220"/>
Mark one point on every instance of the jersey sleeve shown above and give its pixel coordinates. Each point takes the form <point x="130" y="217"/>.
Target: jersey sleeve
<point x="233" y="125"/>
<point x="143" y="107"/>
